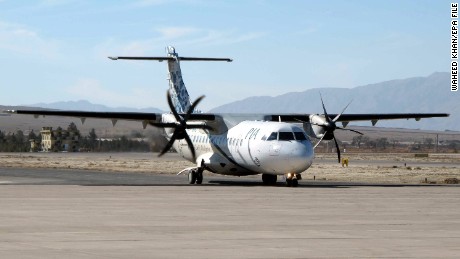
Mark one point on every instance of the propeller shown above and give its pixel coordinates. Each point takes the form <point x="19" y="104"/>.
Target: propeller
<point x="330" y="126"/>
<point x="180" y="126"/>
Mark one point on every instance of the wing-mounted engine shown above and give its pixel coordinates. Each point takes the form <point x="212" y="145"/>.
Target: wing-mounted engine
<point x="313" y="128"/>
<point x="323" y="127"/>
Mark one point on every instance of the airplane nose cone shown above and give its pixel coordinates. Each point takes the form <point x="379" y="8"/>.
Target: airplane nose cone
<point x="301" y="156"/>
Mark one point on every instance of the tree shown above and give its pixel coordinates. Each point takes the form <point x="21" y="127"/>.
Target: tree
<point x="357" y="141"/>
<point x="429" y="142"/>
<point x="32" y="135"/>
<point x="72" y="127"/>
<point x="136" y="134"/>
<point x="394" y="142"/>
<point x="92" y="138"/>
<point x="2" y="141"/>
<point x="382" y="142"/>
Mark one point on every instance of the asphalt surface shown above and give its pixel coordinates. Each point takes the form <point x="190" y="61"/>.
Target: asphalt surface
<point x="52" y="213"/>
<point x="38" y="176"/>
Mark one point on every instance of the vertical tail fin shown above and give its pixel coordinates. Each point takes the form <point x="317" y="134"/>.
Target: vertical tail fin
<point x="179" y="94"/>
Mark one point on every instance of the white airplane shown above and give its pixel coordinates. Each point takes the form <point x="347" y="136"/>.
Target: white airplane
<point x="235" y="144"/>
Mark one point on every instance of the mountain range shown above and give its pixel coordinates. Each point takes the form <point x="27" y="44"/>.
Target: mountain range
<point x="83" y="105"/>
<point x="413" y="95"/>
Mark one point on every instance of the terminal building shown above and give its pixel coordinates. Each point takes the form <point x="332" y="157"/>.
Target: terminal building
<point x="58" y="140"/>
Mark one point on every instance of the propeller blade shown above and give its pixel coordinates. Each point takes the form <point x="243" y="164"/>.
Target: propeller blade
<point x="337" y="146"/>
<point x="317" y="143"/>
<point x="180" y="127"/>
<point x="192" y="108"/>
<point x="340" y="114"/>
<point x="324" y="109"/>
<point x="173" y="109"/>
<point x="190" y="145"/>
<point x="355" y="131"/>
<point x="168" y="146"/>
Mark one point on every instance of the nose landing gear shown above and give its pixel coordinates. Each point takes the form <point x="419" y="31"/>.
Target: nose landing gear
<point x="292" y="180"/>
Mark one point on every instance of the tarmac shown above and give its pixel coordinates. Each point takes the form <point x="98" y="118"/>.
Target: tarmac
<point x="46" y="213"/>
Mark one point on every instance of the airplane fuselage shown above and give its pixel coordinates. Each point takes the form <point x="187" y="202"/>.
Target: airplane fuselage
<point x="250" y="147"/>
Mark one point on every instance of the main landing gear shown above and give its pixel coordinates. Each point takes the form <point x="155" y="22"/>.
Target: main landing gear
<point x="195" y="176"/>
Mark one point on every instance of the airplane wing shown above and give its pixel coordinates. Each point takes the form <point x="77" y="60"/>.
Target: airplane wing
<point x="136" y="116"/>
<point x="228" y="119"/>
<point x="88" y="114"/>
<point x="145" y="118"/>
<point x="345" y="118"/>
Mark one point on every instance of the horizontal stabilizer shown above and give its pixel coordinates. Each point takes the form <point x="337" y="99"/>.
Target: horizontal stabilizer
<point x="173" y="58"/>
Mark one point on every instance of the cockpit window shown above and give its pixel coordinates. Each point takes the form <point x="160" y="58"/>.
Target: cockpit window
<point x="285" y="136"/>
<point x="300" y="136"/>
<point x="273" y="136"/>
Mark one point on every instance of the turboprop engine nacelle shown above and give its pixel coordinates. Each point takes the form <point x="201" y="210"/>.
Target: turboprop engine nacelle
<point x="316" y="128"/>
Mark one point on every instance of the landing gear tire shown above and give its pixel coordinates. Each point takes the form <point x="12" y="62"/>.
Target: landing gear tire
<point x="292" y="180"/>
<point x="269" y="179"/>
<point x="199" y="177"/>
<point x="192" y="177"/>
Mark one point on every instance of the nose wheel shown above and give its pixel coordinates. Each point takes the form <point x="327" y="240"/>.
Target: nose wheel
<point x="292" y="180"/>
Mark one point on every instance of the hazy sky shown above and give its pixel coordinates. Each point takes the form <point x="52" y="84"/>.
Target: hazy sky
<point x="56" y="50"/>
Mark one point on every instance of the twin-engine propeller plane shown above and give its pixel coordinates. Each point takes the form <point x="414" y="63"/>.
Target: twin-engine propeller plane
<point x="235" y="144"/>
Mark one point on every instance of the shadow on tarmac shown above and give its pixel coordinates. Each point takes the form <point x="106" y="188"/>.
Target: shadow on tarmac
<point x="21" y="176"/>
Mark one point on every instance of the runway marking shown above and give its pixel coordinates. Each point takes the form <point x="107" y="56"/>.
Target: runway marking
<point x="5" y="182"/>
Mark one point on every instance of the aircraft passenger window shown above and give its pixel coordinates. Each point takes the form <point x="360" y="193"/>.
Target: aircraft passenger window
<point x="273" y="136"/>
<point x="299" y="136"/>
<point x="286" y="136"/>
